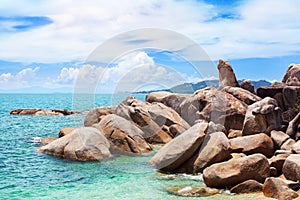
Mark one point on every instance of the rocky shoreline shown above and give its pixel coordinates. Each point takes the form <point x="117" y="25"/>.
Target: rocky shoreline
<point x="238" y="138"/>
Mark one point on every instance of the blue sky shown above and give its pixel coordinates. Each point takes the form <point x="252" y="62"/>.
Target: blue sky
<point x="45" y="43"/>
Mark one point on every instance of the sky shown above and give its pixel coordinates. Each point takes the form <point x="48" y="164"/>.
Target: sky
<point x="46" y="46"/>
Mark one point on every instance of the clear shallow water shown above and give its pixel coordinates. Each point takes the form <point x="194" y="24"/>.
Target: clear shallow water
<point x="26" y="174"/>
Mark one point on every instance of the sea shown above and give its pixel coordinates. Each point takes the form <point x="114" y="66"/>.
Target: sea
<point x="28" y="174"/>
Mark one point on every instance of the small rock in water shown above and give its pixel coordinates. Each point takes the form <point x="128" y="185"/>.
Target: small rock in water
<point x="36" y="140"/>
<point x="193" y="192"/>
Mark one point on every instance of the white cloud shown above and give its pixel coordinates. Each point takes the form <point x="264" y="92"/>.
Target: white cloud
<point x="265" y="28"/>
<point x="133" y="71"/>
<point x="67" y="75"/>
<point x="24" y="78"/>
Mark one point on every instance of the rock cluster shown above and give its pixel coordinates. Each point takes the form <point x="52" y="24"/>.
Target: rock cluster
<point x="42" y="112"/>
<point x="238" y="138"/>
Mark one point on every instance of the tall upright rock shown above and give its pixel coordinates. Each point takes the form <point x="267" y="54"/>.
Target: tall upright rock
<point x="226" y="75"/>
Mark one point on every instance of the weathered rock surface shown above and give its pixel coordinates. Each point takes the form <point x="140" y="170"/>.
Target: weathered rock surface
<point x="94" y="115"/>
<point x="226" y="75"/>
<point x="232" y="133"/>
<point x="193" y="192"/>
<point x="287" y="145"/>
<point x="293" y="129"/>
<point x="65" y="131"/>
<point x="292" y="75"/>
<point x="296" y="147"/>
<point x="247" y="187"/>
<point x="42" y="112"/>
<point x="164" y="115"/>
<point x="270" y="91"/>
<point x="215" y="148"/>
<point x="137" y="112"/>
<point x="83" y="144"/>
<point x="180" y="149"/>
<point x="247" y="85"/>
<point x="258" y="143"/>
<point x="291" y="167"/>
<point x="124" y="135"/>
<point x="235" y="171"/>
<point x="278" y="189"/>
<point x="277" y="161"/>
<point x="169" y="99"/>
<point x="279" y="138"/>
<point x="242" y="94"/>
<point x="214" y="105"/>
<point x="262" y="117"/>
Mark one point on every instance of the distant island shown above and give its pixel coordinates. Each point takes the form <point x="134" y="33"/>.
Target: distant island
<point x="188" y="88"/>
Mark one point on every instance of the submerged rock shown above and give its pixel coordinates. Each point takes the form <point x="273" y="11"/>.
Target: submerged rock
<point x="193" y="192"/>
<point x="83" y="144"/>
<point x="42" y="112"/>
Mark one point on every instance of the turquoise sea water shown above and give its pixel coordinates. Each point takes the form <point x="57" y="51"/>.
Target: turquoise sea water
<point x="27" y="174"/>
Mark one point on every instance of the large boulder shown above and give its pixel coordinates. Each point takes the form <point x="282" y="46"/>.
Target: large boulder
<point x="296" y="147"/>
<point x="270" y="91"/>
<point x="94" y="115"/>
<point x="292" y="75"/>
<point x="277" y="161"/>
<point x="291" y="95"/>
<point x="258" y="143"/>
<point x="291" y="167"/>
<point x="65" y="131"/>
<point x="293" y="129"/>
<point x="214" y="105"/>
<point x="167" y="98"/>
<point x="83" y="144"/>
<point x="238" y="170"/>
<point x="242" y="94"/>
<point x="278" y="138"/>
<point x="262" y="117"/>
<point x="215" y="148"/>
<point x="248" y="186"/>
<point x="163" y="115"/>
<point x="226" y="75"/>
<point x="278" y="189"/>
<point x="180" y="149"/>
<point x="137" y="112"/>
<point x="124" y="135"/>
<point x="247" y="85"/>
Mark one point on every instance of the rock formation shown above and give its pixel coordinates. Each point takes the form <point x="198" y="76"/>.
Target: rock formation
<point x="226" y="75"/>
<point x="42" y="112"/>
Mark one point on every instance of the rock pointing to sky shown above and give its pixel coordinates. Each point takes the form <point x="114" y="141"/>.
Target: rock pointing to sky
<point x="226" y="75"/>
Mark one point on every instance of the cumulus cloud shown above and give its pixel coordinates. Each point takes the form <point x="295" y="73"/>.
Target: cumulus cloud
<point x="133" y="71"/>
<point x="67" y="75"/>
<point x="251" y="28"/>
<point x="24" y="78"/>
